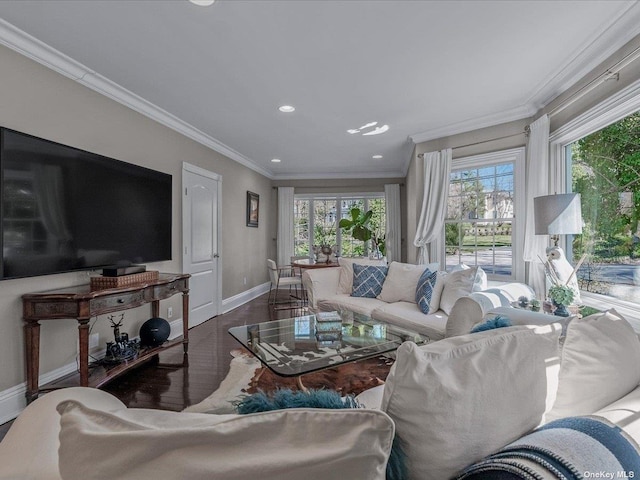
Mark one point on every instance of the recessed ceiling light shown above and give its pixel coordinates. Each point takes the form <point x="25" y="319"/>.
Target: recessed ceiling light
<point x="203" y="3"/>
<point x="378" y="130"/>
<point x="276" y="160"/>
<point x="287" y="109"/>
<point x="370" y="124"/>
<point x="353" y="130"/>
<point x="377" y="157"/>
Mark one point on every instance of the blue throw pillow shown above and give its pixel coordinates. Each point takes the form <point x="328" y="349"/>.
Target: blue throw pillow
<point x="368" y="280"/>
<point x="498" y="321"/>
<point x="424" y="290"/>
<point x="286" y="398"/>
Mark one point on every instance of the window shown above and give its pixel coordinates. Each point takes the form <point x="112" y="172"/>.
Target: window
<point x="604" y="167"/>
<point x="480" y="227"/>
<point x="320" y="215"/>
<point x="598" y="155"/>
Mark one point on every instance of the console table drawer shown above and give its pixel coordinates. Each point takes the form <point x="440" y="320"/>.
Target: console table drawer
<point x="166" y="291"/>
<point x="116" y="302"/>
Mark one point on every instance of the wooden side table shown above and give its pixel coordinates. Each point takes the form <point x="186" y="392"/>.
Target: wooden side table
<point x="80" y="303"/>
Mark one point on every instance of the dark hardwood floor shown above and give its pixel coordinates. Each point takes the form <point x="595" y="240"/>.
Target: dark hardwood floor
<point x="153" y="385"/>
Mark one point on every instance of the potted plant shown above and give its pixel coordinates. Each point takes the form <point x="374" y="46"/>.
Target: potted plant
<point x="358" y="227"/>
<point x="562" y="296"/>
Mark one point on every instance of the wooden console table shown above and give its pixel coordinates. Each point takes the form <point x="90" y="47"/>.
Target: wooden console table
<point x="80" y="303"/>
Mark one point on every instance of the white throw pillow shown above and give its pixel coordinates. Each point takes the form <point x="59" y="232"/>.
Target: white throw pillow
<point x="289" y="444"/>
<point x="459" y="399"/>
<point x="600" y="364"/>
<point x="480" y="282"/>
<point x="345" y="284"/>
<point x="402" y="279"/>
<point x="457" y="284"/>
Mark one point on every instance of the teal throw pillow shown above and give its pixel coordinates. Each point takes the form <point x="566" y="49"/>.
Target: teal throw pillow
<point x="499" y="321"/>
<point x="424" y="290"/>
<point x="286" y="398"/>
<point x="368" y="280"/>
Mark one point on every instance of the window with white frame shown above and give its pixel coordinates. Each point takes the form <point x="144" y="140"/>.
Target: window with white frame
<point x="480" y="226"/>
<point x="316" y="220"/>
<point x="604" y="167"/>
<point x="598" y="156"/>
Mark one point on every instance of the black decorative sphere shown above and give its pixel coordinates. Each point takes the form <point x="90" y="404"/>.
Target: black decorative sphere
<point x="154" y="332"/>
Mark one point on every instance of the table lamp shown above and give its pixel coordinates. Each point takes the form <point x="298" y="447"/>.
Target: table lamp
<point x="557" y="215"/>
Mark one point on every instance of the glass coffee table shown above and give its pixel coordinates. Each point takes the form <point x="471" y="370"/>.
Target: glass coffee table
<point x="293" y="347"/>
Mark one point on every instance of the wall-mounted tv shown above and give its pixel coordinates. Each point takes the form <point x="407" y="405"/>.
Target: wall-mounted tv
<point x="65" y="209"/>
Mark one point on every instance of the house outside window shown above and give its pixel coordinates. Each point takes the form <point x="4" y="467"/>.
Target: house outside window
<point x="317" y="216"/>
<point x="480" y="226"/>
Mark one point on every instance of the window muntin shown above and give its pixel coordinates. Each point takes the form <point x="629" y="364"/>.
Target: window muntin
<point x="321" y="214"/>
<point x="480" y="218"/>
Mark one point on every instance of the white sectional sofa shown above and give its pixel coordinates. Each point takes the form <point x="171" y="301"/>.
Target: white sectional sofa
<point x="330" y="289"/>
<point x="451" y="403"/>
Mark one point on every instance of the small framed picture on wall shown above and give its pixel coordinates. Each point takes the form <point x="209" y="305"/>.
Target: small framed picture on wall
<point x="253" y="209"/>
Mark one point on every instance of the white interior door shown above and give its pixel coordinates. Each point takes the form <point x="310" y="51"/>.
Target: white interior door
<point x="201" y="191"/>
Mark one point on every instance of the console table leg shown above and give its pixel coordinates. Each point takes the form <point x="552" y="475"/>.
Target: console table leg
<point x="83" y="336"/>
<point x="32" y="347"/>
<point x="185" y="321"/>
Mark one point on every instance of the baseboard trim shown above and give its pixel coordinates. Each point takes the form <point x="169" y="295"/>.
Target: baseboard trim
<point x="240" y="299"/>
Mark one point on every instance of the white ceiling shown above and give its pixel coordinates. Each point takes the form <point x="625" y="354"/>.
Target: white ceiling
<point x="426" y="68"/>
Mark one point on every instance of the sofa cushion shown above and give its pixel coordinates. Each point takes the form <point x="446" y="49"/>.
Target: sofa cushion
<point x="457" y="400"/>
<point x="368" y="280"/>
<point x="345" y="283"/>
<point x="346" y="302"/>
<point x="599" y="365"/>
<point x="480" y="281"/>
<point x="355" y="443"/>
<point x="457" y="284"/>
<point x="408" y="315"/>
<point x="424" y="290"/>
<point x="625" y="413"/>
<point x="402" y="279"/>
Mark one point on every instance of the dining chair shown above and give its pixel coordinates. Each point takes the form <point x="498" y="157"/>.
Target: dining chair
<point x="279" y="281"/>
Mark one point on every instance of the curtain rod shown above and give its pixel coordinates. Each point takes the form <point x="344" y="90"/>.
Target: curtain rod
<point x="524" y="132"/>
<point x="612" y="72"/>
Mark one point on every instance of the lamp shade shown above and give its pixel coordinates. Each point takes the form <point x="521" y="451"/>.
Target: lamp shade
<point x="558" y="214"/>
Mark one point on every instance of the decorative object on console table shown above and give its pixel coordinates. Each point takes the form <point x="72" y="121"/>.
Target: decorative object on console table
<point x="253" y="209"/>
<point x="102" y="282"/>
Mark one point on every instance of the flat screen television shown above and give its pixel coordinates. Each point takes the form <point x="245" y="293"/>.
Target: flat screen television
<point x="65" y="209"/>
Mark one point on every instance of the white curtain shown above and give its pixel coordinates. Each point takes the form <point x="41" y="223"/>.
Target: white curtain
<point x="433" y="181"/>
<point x="394" y="222"/>
<point x="285" y="225"/>
<point x="537" y="185"/>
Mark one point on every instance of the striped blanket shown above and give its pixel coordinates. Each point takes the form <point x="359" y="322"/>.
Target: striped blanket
<point x="566" y="449"/>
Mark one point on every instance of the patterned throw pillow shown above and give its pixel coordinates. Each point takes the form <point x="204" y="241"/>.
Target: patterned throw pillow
<point x="424" y="290"/>
<point x="368" y="280"/>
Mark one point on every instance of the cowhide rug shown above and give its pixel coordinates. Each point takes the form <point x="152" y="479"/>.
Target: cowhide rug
<point x="247" y="376"/>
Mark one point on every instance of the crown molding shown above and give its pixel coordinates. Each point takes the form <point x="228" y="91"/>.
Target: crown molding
<point x="337" y="176"/>
<point x="506" y="116"/>
<point x="36" y="50"/>
<point x="609" y="40"/>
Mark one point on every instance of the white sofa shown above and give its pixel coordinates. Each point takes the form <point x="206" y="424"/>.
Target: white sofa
<point x="452" y="402"/>
<point x="330" y="289"/>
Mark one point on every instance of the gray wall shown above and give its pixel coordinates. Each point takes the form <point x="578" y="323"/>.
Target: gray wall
<point x="40" y="102"/>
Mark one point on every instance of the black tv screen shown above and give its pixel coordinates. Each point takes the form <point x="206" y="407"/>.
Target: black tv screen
<point x="65" y="209"/>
